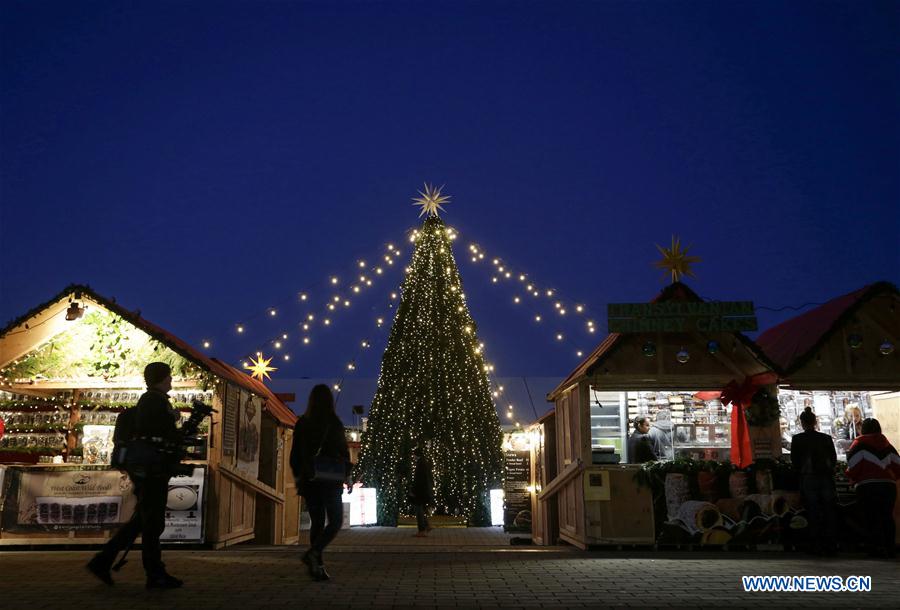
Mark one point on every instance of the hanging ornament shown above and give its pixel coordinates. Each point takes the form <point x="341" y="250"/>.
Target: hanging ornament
<point x="855" y="341"/>
<point x="675" y="260"/>
<point x="712" y="347"/>
<point x="682" y="356"/>
<point x="886" y="348"/>
<point x="649" y="349"/>
<point x="260" y="368"/>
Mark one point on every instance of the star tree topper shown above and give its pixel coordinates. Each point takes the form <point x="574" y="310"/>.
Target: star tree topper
<point x="431" y="200"/>
<point x="675" y="260"/>
<point x="260" y="367"/>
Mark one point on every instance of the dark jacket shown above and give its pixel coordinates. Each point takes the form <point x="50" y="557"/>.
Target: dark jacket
<point x="812" y="453"/>
<point x="155" y="417"/>
<point x="153" y="440"/>
<point x="422" y="489"/>
<point x="640" y="448"/>
<point x="309" y="436"/>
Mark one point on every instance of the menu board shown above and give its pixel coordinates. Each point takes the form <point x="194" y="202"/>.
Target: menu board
<point x="516" y="496"/>
<point x="229" y="419"/>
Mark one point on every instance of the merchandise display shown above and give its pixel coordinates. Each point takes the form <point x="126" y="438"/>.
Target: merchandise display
<point x="688" y="424"/>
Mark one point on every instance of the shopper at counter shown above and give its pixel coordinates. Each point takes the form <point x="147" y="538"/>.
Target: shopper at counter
<point x="813" y="459"/>
<point x="640" y="445"/>
<point x="874" y="467"/>
<point x="853" y="427"/>
<point x="661" y="435"/>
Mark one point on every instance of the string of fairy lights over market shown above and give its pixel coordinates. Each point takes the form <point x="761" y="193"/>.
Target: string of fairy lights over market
<point x="523" y="290"/>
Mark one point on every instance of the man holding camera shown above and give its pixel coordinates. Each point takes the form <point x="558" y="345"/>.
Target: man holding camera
<point x="153" y="425"/>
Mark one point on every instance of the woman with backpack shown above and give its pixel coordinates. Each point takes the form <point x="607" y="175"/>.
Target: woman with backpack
<point x="320" y="460"/>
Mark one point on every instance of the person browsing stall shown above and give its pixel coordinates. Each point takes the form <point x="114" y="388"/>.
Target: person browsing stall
<point x="813" y="458"/>
<point x="874" y="468"/>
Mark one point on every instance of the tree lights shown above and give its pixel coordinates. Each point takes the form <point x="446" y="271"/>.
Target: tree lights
<point x="433" y="391"/>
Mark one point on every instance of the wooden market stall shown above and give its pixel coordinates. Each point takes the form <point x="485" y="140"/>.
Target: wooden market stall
<point x="676" y="379"/>
<point x="840" y="358"/>
<point x="68" y="367"/>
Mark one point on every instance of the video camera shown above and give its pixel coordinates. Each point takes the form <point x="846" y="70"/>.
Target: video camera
<point x="149" y="457"/>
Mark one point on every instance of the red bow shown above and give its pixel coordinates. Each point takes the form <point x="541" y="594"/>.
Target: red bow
<point x="740" y="396"/>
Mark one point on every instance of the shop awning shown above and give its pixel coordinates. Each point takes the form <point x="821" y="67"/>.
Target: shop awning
<point x="793" y="342"/>
<point x="19" y="328"/>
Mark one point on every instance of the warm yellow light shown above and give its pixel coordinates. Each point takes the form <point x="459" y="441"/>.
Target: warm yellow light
<point x="287" y="356"/>
<point x="378" y="270"/>
<point x="480" y="255"/>
<point x="500" y="388"/>
<point x="240" y="329"/>
<point x="336" y="298"/>
<point x="368" y="282"/>
<point x="559" y="337"/>
<point x="521" y="278"/>
<point x="393" y="295"/>
<point x="334" y="280"/>
<point x="310" y="317"/>
<point x="515" y="299"/>
<point x="306" y="327"/>
<point x="390" y="246"/>
<point x="509" y="414"/>
<point x="272" y="312"/>
<point x="496" y="261"/>
<point x="579" y="308"/>
<point x="331" y="306"/>
<point x="493" y="279"/>
<point x="284" y="336"/>
<point x="260" y="368"/>
<point x="326" y="321"/>
<point x="508" y="275"/>
<point x="549" y="293"/>
<point x="206" y="344"/>
<point x="562" y="312"/>
<point x="306" y="340"/>
<point x="362" y="264"/>
<point x="537" y="318"/>
<point x="579" y="353"/>
<point x="302" y="296"/>
<point x="278" y="345"/>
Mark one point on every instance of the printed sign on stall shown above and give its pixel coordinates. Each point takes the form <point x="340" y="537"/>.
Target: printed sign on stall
<point x="249" y="424"/>
<point x="64" y="499"/>
<point x="184" y="508"/>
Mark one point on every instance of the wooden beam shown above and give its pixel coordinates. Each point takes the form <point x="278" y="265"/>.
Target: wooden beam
<point x="259" y="487"/>
<point x="568" y="473"/>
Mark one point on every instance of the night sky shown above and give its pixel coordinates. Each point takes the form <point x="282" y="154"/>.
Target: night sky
<point x="205" y="162"/>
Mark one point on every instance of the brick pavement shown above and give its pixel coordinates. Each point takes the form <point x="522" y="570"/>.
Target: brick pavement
<point x="375" y="567"/>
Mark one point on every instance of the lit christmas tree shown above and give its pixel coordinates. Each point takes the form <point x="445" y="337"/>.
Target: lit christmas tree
<point x="433" y="389"/>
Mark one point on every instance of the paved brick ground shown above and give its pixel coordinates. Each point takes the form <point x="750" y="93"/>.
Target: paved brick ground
<point x="453" y="568"/>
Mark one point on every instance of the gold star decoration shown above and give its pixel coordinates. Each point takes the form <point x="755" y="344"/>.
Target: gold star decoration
<point x="260" y="367"/>
<point x="431" y="200"/>
<point x="675" y="260"/>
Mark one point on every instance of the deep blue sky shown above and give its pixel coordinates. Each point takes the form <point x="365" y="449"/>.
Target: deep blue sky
<point x="203" y="162"/>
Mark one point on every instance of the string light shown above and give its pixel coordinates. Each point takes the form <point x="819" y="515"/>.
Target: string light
<point x="206" y="344"/>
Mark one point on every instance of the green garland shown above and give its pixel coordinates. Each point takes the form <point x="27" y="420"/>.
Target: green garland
<point x="763" y="410"/>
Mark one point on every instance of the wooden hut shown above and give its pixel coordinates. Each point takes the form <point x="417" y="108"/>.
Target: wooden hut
<point x="68" y="367"/>
<point x="677" y="374"/>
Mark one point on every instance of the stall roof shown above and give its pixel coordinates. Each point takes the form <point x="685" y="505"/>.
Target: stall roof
<point x="676" y="291"/>
<point x="793" y="342"/>
<point x="224" y="371"/>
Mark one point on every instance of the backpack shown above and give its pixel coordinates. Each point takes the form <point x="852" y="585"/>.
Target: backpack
<point x="123" y="433"/>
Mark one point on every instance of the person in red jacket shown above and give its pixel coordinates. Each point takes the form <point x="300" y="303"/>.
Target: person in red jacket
<point x="874" y="467"/>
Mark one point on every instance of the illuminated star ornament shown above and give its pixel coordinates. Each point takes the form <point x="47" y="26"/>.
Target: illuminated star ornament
<point x="675" y="260"/>
<point x="431" y="200"/>
<point x="260" y="367"/>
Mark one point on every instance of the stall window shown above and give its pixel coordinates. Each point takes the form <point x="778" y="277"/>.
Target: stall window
<point x="836" y="412"/>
